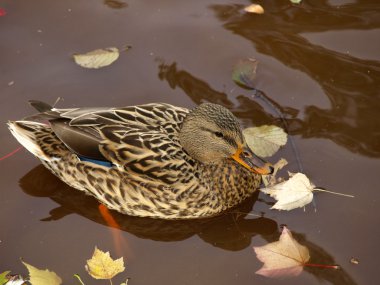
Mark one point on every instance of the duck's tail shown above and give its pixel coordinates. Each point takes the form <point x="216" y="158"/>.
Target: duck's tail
<point x="26" y="134"/>
<point x="37" y="138"/>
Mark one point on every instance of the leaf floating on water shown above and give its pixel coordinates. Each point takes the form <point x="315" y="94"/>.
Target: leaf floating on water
<point x="271" y="179"/>
<point x="265" y="140"/>
<point x="115" y="4"/>
<point x="244" y="72"/>
<point x="295" y="192"/>
<point x="296" y="1"/>
<point x="354" y="260"/>
<point x="102" y="266"/>
<point x="97" y="58"/>
<point x="16" y="280"/>
<point x="42" y="277"/>
<point x="254" y="8"/>
<point x="4" y="277"/>
<point x="285" y="257"/>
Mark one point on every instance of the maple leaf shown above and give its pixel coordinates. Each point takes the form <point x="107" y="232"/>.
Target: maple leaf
<point x="285" y="257"/>
<point x="294" y="193"/>
<point x="102" y="266"/>
<point x="42" y="277"/>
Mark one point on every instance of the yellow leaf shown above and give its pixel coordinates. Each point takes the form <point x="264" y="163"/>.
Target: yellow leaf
<point x="254" y="8"/>
<point x="265" y="140"/>
<point x="42" y="277"/>
<point x="285" y="257"/>
<point x="102" y="266"/>
<point x="97" y="58"/>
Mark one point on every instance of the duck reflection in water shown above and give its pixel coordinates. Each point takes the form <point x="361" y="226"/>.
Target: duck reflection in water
<point x="233" y="230"/>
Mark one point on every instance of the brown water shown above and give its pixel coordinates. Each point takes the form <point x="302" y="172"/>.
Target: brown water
<point x="319" y="64"/>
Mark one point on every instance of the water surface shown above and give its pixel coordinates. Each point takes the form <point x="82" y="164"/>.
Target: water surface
<point x="319" y="65"/>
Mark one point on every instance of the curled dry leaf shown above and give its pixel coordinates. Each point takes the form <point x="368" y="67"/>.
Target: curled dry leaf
<point x="244" y="72"/>
<point x="265" y="140"/>
<point x="16" y="280"/>
<point x="285" y="257"/>
<point x="354" y="260"/>
<point x="254" y="8"/>
<point x="102" y="266"/>
<point x="42" y="277"/>
<point x="271" y="179"/>
<point x="97" y="58"/>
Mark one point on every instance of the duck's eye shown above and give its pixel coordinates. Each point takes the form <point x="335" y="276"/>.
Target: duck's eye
<point x="219" y="134"/>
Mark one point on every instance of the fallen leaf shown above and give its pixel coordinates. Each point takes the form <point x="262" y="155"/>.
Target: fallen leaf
<point x="102" y="266"/>
<point x="354" y="261"/>
<point x="16" y="280"/>
<point x="296" y="1"/>
<point x="271" y="179"/>
<point x="254" y="8"/>
<point x="97" y="58"/>
<point x="3" y="277"/>
<point x="293" y="193"/>
<point x="2" y="12"/>
<point x="265" y="140"/>
<point x="42" y="277"/>
<point x="285" y="257"/>
<point x="244" y="72"/>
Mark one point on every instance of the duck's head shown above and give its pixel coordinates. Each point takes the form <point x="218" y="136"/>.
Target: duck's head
<point x="210" y="133"/>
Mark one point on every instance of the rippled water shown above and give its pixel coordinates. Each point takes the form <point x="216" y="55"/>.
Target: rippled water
<point x="319" y="65"/>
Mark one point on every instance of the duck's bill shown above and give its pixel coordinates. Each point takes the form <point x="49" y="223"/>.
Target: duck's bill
<point x="251" y="161"/>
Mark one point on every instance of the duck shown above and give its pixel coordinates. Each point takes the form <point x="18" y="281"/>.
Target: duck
<point x="154" y="160"/>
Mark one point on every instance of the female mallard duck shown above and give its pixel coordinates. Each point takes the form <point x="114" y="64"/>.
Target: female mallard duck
<point x="153" y="160"/>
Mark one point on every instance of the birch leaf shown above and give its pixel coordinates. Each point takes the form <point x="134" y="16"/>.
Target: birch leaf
<point x="97" y="58"/>
<point x="42" y="277"/>
<point x="285" y="257"/>
<point x="254" y="8"/>
<point x="265" y="140"/>
<point x="293" y="193"/>
<point x="102" y="266"/>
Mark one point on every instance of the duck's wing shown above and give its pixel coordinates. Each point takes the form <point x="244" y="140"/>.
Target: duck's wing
<point x="141" y="139"/>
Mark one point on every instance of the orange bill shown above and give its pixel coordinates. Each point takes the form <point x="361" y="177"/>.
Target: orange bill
<point x="251" y="161"/>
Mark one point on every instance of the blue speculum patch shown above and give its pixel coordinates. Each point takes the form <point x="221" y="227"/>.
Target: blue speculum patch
<point x="96" y="161"/>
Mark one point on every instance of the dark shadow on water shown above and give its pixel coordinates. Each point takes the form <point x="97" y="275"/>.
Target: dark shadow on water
<point x="351" y="84"/>
<point x="233" y="230"/>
